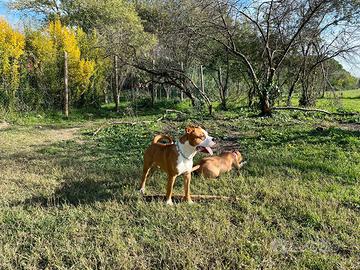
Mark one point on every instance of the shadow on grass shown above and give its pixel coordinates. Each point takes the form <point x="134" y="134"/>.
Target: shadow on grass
<point x="108" y="167"/>
<point x="341" y="97"/>
<point x="75" y="193"/>
<point x="101" y="169"/>
<point x="313" y="153"/>
<point x="336" y="136"/>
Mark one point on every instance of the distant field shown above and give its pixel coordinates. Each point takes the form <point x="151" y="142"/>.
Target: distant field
<point x="69" y="199"/>
<point x="345" y="101"/>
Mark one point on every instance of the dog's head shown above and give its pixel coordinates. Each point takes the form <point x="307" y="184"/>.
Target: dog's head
<point x="237" y="156"/>
<point x="198" y="138"/>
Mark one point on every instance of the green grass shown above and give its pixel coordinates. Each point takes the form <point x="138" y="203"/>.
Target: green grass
<point x="70" y="201"/>
<point x="345" y="101"/>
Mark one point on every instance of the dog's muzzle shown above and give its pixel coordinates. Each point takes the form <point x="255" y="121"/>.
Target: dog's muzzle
<point x="205" y="145"/>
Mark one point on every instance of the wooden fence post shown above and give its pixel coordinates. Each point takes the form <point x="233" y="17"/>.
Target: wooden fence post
<point x="66" y="86"/>
<point x="116" y="93"/>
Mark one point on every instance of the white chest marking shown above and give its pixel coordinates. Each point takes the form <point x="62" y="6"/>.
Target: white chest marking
<point x="184" y="165"/>
<point x="185" y="158"/>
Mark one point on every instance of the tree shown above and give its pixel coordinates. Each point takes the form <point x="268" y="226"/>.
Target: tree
<point x="178" y="52"/>
<point x="11" y="49"/>
<point x="279" y="26"/>
<point x="45" y="50"/>
<point x="114" y="24"/>
<point x="126" y="41"/>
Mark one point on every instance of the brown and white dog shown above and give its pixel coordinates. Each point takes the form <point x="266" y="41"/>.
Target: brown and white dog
<point x="212" y="167"/>
<point x="176" y="158"/>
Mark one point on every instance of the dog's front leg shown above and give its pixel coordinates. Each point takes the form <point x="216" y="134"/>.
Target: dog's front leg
<point x="169" y="190"/>
<point x="239" y="166"/>
<point x="187" y="180"/>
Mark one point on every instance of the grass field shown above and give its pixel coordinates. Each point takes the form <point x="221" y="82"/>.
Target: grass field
<point x="344" y="101"/>
<point x="69" y="199"/>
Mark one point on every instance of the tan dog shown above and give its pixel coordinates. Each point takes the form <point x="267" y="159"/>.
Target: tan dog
<point x="212" y="167"/>
<point x="176" y="158"/>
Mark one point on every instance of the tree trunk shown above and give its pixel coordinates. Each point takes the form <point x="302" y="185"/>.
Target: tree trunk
<point x="132" y="89"/>
<point x="116" y="93"/>
<point x="66" y="87"/>
<point x="251" y="95"/>
<point x="105" y="96"/>
<point x="307" y="97"/>
<point x="223" y="87"/>
<point x="181" y="92"/>
<point x="210" y="108"/>
<point x="185" y="90"/>
<point x="202" y="87"/>
<point x="152" y="93"/>
<point x="167" y="92"/>
<point x="265" y="104"/>
<point x="292" y="88"/>
<point x="152" y="87"/>
<point x="291" y="91"/>
<point x="192" y="99"/>
<point x="304" y="100"/>
<point x="252" y="91"/>
<point x="202" y="83"/>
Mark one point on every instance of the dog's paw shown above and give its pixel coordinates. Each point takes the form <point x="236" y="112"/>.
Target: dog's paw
<point x="242" y="164"/>
<point x="188" y="200"/>
<point x="169" y="202"/>
<point x="142" y="191"/>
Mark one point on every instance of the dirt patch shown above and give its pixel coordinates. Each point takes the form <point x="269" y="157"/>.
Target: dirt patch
<point x="350" y="126"/>
<point x="346" y="126"/>
<point x="57" y="135"/>
<point x="228" y="144"/>
<point x="62" y="134"/>
<point x="23" y="138"/>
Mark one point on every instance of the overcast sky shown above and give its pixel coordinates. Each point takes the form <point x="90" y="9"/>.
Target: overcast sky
<point x="352" y="65"/>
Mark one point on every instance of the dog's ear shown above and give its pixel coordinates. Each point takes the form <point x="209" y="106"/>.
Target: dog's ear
<point x="189" y="129"/>
<point x="239" y="156"/>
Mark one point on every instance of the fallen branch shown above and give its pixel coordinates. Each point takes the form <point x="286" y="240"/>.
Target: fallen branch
<point x="175" y="111"/>
<point x="312" y="110"/>
<point x="131" y="123"/>
<point x="300" y="109"/>
<point x="193" y="197"/>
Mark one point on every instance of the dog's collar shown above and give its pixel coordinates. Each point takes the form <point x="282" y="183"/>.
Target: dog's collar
<point x="181" y="153"/>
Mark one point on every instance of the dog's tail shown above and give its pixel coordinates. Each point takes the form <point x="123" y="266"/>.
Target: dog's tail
<point x="242" y="164"/>
<point x="160" y="137"/>
<point x="195" y="169"/>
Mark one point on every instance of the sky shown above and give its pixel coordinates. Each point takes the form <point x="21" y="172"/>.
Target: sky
<point x="15" y="18"/>
<point x="10" y="16"/>
<point x="351" y="64"/>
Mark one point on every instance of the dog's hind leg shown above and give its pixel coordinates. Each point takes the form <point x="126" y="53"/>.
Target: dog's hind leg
<point x="146" y="170"/>
<point x="169" y="190"/>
